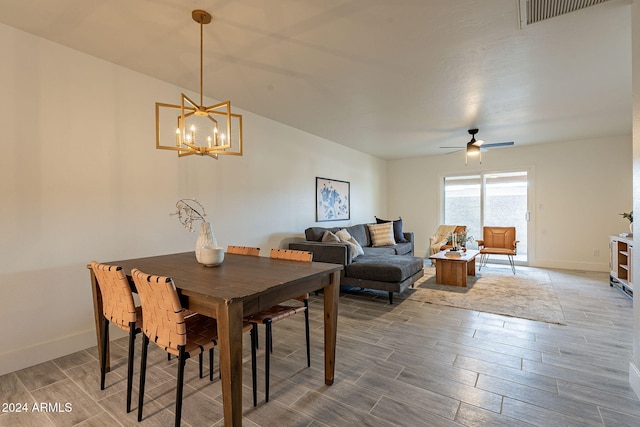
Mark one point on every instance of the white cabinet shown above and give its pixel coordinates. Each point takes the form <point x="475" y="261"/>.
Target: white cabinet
<point x="620" y="264"/>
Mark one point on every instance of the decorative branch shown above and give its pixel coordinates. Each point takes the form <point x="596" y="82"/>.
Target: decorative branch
<point x="188" y="210"/>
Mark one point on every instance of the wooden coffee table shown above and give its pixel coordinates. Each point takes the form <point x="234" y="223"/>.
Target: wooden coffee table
<point x="453" y="271"/>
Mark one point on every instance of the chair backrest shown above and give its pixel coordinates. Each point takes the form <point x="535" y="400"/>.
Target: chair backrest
<point x="291" y="254"/>
<point x="444" y="231"/>
<point x="117" y="299"/>
<point x="460" y="229"/>
<point x="243" y="250"/>
<point x="163" y="315"/>
<point x="499" y="237"/>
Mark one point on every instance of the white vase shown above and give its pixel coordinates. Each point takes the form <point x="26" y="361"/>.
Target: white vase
<point x="206" y="238"/>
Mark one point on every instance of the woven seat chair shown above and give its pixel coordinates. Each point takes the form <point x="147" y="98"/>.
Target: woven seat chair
<point x="164" y="323"/>
<point x="243" y="250"/>
<point x="279" y="312"/>
<point x="247" y="250"/>
<point x="118" y="308"/>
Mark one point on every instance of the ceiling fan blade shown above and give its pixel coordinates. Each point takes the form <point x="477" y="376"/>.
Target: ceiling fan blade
<point x="497" y="144"/>
<point x="457" y="149"/>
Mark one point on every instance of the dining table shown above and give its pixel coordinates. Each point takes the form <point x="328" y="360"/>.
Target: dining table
<point x="240" y="286"/>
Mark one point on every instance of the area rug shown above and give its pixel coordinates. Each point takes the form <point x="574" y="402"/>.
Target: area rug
<point x="529" y="294"/>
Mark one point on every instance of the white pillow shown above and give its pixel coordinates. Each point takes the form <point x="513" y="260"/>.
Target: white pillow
<point x="381" y="234"/>
<point x="345" y="237"/>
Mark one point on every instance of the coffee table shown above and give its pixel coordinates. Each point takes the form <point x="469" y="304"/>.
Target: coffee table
<point x="453" y="271"/>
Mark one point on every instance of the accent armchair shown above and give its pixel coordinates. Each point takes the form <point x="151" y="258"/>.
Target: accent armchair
<point x="440" y="240"/>
<point x="498" y="241"/>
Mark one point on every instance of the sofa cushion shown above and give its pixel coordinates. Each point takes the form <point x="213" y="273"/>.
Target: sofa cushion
<point x="381" y="234"/>
<point x="384" y="268"/>
<point x="360" y="233"/>
<point x="315" y="234"/>
<point x="404" y="248"/>
<point x="397" y="249"/>
<point x="380" y="250"/>
<point x="398" y="235"/>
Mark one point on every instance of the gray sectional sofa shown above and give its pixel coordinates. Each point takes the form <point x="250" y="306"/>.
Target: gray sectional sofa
<point x="391" y="268"/>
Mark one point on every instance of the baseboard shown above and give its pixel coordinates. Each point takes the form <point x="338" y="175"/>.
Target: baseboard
<point x="570" y="265"/>
<point x="634" y="378"/>
<point x="25" y="357"/>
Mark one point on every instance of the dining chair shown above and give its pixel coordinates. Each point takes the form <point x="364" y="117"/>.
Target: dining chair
<point x="247" y="250"/>
<point x="165" y="324"/>
<point x="243" y="250"/>
<point x="279" y="312"/>
<point x="118" y="308"/>
<point x="498" y="241"/>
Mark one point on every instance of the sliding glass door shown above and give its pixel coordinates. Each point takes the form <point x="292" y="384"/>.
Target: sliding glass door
<point x="492" y="199"/>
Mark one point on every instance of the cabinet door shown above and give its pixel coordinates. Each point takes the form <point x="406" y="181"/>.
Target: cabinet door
<point x="613" y="255"/>
<point x="630" y="264"/>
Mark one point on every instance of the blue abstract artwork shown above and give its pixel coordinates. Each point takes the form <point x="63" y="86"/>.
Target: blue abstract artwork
<point x="332" y="200"/>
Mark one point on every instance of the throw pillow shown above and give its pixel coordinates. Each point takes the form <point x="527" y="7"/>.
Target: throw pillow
<point x="344" y="236"/>
<point x="329" y="237"/>
<point x="397" y="229"/>
<point x="381" y="234"/>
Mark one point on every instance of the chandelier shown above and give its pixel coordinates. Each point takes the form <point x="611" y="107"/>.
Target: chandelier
<point x="197" y="129"/>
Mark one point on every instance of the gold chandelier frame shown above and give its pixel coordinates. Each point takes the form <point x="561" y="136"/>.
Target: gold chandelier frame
<point x="217" y="117"/>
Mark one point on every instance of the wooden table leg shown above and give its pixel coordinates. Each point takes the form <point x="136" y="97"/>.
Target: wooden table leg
<point x="230" y="350"/>
<point x="461" y="268"/>
<point x="331" y="297"/>
<point x="471" y="267"/>
<point x="439" y="266"/>
<point x="98" y="316"/>
<point x="452" y="273"/>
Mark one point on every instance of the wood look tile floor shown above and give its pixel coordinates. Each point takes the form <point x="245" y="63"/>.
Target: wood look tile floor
<point x="406" y="364"/>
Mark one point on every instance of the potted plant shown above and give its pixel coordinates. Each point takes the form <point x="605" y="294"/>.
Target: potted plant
<point x="459" y="240"/>
<point x="629" y="216"/>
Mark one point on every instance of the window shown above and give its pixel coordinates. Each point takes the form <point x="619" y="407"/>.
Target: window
<point x="492" y="199"/>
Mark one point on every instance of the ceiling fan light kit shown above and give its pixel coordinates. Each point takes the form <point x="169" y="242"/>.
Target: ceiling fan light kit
<point x="476" y="146"/>
<point x="473" y="147"/>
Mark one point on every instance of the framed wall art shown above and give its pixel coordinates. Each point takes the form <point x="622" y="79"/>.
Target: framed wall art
<point x="332" y="200"/>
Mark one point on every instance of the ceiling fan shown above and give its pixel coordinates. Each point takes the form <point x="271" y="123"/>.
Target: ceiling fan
<point x="474" y="147"/>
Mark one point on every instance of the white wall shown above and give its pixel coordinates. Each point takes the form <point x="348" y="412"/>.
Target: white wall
<point x="80" y="179"/>
<point x="578" y="189"/>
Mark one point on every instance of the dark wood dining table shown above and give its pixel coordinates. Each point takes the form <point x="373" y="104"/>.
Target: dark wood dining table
<point x="240" y="286"/>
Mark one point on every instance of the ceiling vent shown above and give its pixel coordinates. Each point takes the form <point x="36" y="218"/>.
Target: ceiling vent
<point x="532" y="11"/>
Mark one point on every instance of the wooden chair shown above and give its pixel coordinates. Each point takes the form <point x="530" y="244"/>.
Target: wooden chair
<point x="498" y="241"/>
<point x="118" y="308"/>
<point x="243" y="250"/>
<point x="164" y="323"/>
<point x="440" y="240"/>
<point x="279" y="312"/>
<point x="247" y="250"/>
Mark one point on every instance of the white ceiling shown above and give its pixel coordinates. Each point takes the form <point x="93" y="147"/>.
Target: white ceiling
<point x="394" y="78"/>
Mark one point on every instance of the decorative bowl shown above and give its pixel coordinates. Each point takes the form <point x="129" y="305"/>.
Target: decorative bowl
<point x="211" y="256"/>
